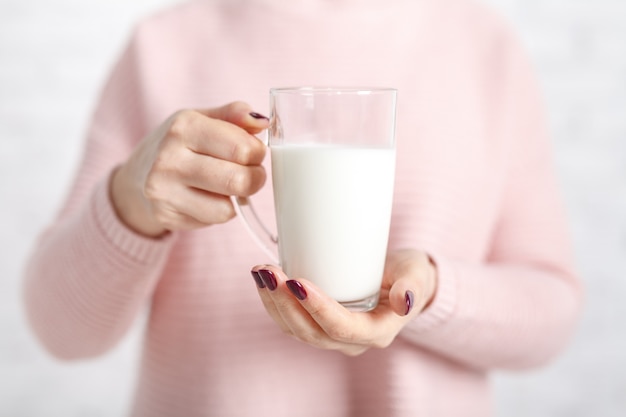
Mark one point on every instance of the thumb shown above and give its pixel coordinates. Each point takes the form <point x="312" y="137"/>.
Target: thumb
<point x="241" y="114"/>
<point x="411" y="277"/>
<point x="402" y="296"/>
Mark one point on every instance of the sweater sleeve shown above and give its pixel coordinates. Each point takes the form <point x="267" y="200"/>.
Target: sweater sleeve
<point x="88" y="275"/>
<point x="518" y="307"/>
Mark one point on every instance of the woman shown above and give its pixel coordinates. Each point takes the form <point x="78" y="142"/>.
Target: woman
<point x="479" y="273"/>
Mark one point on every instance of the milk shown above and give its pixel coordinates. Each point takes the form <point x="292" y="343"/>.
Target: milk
<point x="333" y="209"/>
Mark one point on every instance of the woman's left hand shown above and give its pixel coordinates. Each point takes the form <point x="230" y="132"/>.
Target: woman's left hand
<point x="303" y="311"/>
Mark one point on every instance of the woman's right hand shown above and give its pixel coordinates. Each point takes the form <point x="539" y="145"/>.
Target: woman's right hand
<point x="181" y="175"/>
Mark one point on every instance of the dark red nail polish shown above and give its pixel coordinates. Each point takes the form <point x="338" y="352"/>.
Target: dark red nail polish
<point x="409" y="299"/>
<point x="269" y="279"/>
<point x="258" y="116"/>
<point x="297" y="289"/>
<point x="257" y="279"/>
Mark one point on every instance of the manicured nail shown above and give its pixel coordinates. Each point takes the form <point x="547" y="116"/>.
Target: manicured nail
<point x="258" y="116"/>
<point x="297" y="289"/>
<point x="269" y="279"/>
<point x="257" y="279"/>
<point x="409" y="298"/>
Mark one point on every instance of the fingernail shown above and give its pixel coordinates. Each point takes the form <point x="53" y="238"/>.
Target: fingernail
<point x="268" y="279"/>
<point x="258" y="116"/>
<point x="297" y="289"/>
<point x="257" y="279"/>
<point x="409" y="298"/>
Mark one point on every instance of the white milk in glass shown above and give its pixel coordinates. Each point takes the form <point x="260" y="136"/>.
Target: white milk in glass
<point x="333" y="209"/>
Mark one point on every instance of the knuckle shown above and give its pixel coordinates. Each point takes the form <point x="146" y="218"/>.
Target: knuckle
<point x="242" y="152"/>
<point x="152" y="189"/>
<point x="238" y="107"/>
<point x="158" y="175"/>
<point x="234" y="112"/>
<point x="160" y="165"/>
<point x="223" y="211"/>
<point x="255" y="178"/>
<point x="247" y="150"/>
<point x="238" y="182"/>
<point x="180" y="123"/>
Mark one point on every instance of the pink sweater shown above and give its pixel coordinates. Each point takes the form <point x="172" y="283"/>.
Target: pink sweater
<point x="475" y="188"/>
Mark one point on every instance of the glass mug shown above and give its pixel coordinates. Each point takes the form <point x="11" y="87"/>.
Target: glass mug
<point x="333" y="159"/>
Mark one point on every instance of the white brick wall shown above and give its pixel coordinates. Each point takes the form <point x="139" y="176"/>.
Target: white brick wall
<point x="53" y="57"/>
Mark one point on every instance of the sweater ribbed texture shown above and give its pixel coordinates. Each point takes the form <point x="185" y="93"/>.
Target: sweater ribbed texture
<point x="474" y="188"/>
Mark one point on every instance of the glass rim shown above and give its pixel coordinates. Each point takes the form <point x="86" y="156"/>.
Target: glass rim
<point x="315" y="90"/>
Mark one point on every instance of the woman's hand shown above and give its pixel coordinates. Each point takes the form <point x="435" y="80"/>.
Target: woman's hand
<point x="306" y="313"/>
<point x="181" y="175"/>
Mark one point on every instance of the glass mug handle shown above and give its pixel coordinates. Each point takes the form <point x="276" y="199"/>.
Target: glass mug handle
<point x="253" y="224"/>
<point x="261" y="235"/>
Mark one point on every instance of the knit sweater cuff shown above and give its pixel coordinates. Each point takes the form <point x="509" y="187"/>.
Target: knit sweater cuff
<point x="139" y="249"/>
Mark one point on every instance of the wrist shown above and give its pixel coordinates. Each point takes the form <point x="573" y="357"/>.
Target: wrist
<point x="130" y="206"/>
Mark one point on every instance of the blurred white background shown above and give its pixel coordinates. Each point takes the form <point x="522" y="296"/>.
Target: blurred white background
<point x="54" y="55"/>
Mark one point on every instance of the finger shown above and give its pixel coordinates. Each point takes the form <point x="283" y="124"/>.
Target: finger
<point x="296" y="320"/>
<point x="342" y="325"/>
<point x="220" y="176"/>
<point x="402" y="296"/>
<point x="216" y="137"/>
<point x="410" y="276"/>
<point x="185" y="208"/>
<point x="241" y="114"/>
<point x="264" y="287"/>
